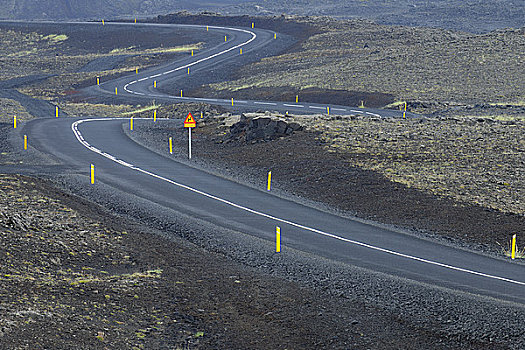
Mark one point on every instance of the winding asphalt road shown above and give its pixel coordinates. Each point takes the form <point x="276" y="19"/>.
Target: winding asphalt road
<point x="141" y="86"/>
<point x="124" y="165"/>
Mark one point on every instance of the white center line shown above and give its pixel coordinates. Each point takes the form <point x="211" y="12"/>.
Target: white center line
<point x="300" y="106"/>
<point x="266" y="103"/>
<point x="253" y="37"/>
<point x="205" y="99"/>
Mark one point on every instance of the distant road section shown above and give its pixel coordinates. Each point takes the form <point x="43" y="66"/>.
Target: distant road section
<point x="146" y="84"/>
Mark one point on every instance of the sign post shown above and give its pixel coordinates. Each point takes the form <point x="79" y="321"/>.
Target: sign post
<point x="189" y="143"/>
<point x="189" y="123"/>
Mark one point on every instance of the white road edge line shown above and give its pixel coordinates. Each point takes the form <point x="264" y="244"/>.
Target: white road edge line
<point x="79" y="137"/>
<point x="287" y="105"/>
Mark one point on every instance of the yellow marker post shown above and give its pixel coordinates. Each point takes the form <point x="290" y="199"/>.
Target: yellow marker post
<point x="25" y="142"/>
<point x="225" y="38"/>
<point x="202" y="115"/>
<point x="277" y="239"/>
<point x="98" y="80"/>
<point x="207" y="28"/>
<point x="14" y="122"/>
<point x="131" y="124"/>
<point x="57" y="112"/>
<point x="180" y="93"/>
<point x="296" y="98"/>
<point x="232" y="101"/>
<point x="404" y="115"/>
<point x="171" y="145"/>
<point x="188" y="70"/>
<point x="154" y="83"/>
<point x="269" y="187"/>
<point x="275" y="35"/>
<point x="513" y="252"/>
<point x="191" y="53"/>
<point x="328" y="110"/>
<point x="92" y="174"/>
<point x="241" y="50"/>
<point x="102" y="22"/>
<point x="252" y="25"/>
<point x="135" y="20"/>
<point x="155" y="115"/>
<point x="136" y="71"/>
<point x="362" y="105"/>
<point x="116" y="91"/>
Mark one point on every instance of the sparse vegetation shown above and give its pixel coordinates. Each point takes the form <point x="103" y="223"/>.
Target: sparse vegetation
<point x="10" y="108"/>
<point x="472" y="160"/>
<point x="26" y="53"/>
<point x="507" y="250"/>
<point x="134" y="51"/>
<point x="63" y="58"/>
<point x="54" y="266"/>
<point x="409" y="63"/>
<point x="95" y="110"/>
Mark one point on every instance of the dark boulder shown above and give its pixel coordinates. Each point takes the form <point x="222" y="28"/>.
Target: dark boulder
<point x="260" y="129"/>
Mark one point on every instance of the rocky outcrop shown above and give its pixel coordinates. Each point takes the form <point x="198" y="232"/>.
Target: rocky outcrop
<point x="260" y="129"/>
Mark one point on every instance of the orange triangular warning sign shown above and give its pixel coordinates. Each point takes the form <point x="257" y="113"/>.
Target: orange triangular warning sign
<point x="189" y="122"/>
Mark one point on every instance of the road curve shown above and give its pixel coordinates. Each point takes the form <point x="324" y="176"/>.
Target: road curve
<point x="141" y="87"/>
<point x="122" y="164"/>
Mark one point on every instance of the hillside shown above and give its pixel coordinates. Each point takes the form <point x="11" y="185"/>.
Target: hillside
<point x="466" y="15"/>
<point x="472" y="16"/>
<point x="79" y="9"/>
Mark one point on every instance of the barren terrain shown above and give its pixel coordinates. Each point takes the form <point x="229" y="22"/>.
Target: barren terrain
<point x="411" y="64"/>
<point x="74" y="273"/>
